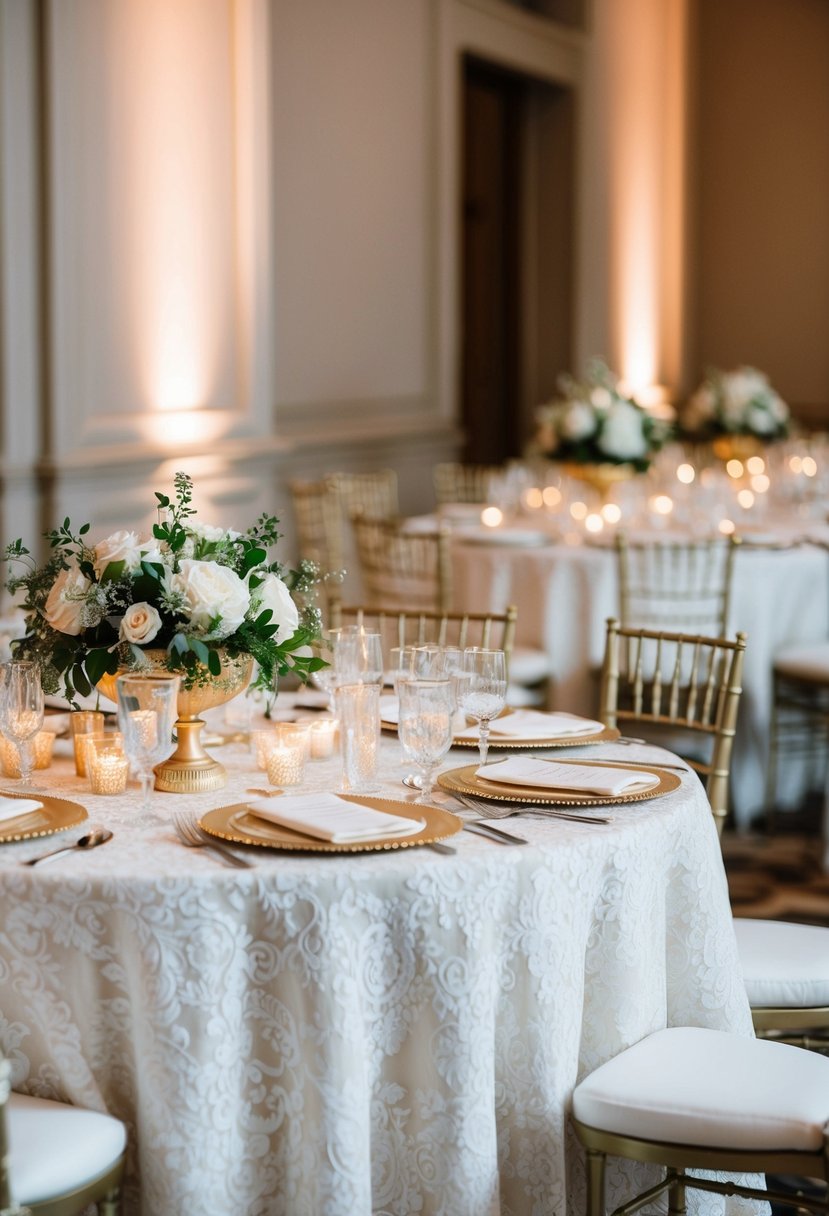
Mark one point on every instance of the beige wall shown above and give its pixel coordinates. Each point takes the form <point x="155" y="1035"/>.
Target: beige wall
<point x="760" y="190"/>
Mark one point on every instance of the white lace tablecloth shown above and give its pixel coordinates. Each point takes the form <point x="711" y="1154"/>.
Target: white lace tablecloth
<point x="389" y="1033"/>
<point x="564" y="595"/>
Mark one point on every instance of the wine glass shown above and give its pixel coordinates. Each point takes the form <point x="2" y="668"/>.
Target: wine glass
<point x="425" y="726"/>
<point x="482" y="690"/>
<point x="21" y="711"/>
<point x="146" y="716"/>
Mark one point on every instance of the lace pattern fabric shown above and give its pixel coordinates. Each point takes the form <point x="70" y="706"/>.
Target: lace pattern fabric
<point x="392" y="1033"/>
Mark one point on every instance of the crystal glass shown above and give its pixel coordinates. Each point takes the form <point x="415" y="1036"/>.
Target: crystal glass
<point x="425" y="726"/>
<point x="146" y="715"/>
<point x="21" y="711"/>
<point x="482" y="690"/>
<point x="358" y="710"/>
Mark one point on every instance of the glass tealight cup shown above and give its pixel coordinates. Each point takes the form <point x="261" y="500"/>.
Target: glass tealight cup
<point x="84" y="722"/>
<point x="285" y="762"/>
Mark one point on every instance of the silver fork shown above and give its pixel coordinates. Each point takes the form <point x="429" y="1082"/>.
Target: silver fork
<point x="492" y="810"/>
<point x="189" y="833"/>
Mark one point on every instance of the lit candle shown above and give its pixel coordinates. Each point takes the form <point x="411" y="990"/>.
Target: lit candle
<point x="261" y="742"/>
<point x="84" y="722"/>
<point x="296" y="732"/>
<point x="41" y="747"/>
<point x="286" y="763"/>
<point x="83" y="749"/>
<point x="108" y="772"/>
<point x="323" y="738"/>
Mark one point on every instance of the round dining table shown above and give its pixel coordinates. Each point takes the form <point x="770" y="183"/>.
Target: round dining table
<point x="388" y="1032"/>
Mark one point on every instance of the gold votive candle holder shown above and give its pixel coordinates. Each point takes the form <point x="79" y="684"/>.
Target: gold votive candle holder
<point x="323" y="738"/>
<point x="296" y="732"/>
<point x="41" y="746"/>
<point x="84" y="722"/>
<point x="108" y="769"/>
<point x="261" y="742"/>
<point x="285" y="763"/>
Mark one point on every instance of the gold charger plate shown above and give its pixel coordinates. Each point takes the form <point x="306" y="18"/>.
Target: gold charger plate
<point x="238" y="824"/>
<point x="607" y="734"/>
<point x="464" y="781"/>
<point x="56" y="815"/>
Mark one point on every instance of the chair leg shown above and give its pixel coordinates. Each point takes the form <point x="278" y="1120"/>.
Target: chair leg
<point x="595" y="1182"/>
<point x="110" y="1205"/>
<point x="676" y="1197"/>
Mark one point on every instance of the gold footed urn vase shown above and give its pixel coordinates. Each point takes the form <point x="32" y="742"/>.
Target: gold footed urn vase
<point x="190" y="770"/>
<point x="601" y="476"/>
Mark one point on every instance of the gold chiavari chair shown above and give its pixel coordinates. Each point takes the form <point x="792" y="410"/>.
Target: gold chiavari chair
<point x="402" y="627"/>
<point x="679" y="585"/>
<point x="403" y="570"/>
<point x="688" y="1098"/>
<point x="319" y="534"/>
<point x="692" y="684"/>
<point x="373" y="495"/>
<point x="456" y="482"/>
<point x="56" y="1159"/>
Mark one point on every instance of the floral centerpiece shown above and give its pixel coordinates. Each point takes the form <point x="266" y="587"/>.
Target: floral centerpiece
<point x="739" y="402"/>
<point x="195" y="592"/>
<point x="593" y="422"/>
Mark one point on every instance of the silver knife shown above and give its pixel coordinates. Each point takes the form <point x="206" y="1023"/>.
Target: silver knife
<point x="486" y="829"/>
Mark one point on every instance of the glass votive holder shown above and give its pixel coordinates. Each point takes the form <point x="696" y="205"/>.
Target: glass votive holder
<point x="323" y="738"/>
<point x="261" y="742"/>
<point x="296" y="732"/>
<point x="358" y="710"/>
<point x="41" y="746"/>
<point x="84" y="722"/>
<point x="285" y="763"/>
<point x="108" y="768"/>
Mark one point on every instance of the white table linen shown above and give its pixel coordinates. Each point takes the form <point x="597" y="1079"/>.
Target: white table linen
<point x="380" y="1033"/>
<point x="565" y="593"/>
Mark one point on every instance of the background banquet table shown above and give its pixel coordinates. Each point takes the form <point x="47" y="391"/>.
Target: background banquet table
<point x="377" y="1033"/>
<point x="565" y="593"/>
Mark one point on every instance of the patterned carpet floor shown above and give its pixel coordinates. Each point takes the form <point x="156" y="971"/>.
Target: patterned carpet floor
<point x="779" y="875"/>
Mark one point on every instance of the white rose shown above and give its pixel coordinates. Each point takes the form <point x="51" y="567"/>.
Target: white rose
<point x="120" y="547"/>
<point x="65" y="602"/>
<point x="578" y="421"/>
<point x="601" y="398"/>
<point x="759" y="421"/>
<point x="272" y="593"/>
<point x="210" y="591"/>
<point x="623" y="435"/>
<point x="139" y="624"/>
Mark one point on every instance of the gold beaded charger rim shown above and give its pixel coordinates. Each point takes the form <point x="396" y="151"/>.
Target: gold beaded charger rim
<point x="240" y="825"/>
<point x="55" y="815"/>
<point x="464" y="781"/>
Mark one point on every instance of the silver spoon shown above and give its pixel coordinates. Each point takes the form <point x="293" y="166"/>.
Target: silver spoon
<point x="91" y="840"/>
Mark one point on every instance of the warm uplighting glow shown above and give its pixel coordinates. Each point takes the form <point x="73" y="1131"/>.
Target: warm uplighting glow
<point x="661" y="504"/>
<point x="755" y="465"/>
<point x="612" y="512"/>
<point x="760" y="483"/>
<point x="492" y="517"/>
<point x="746" y="499"/>
<point x="734" y="468"/>
<point x="182" y="427"/>
<point x="686" y="474"/>
<point x="551" y="496"/>
<point x="727" y="527"/>
<point x="809" y="466"/>
<point x="594" y="523"/>
<point x="578" y="510"/>
<point x="533" y="498"/>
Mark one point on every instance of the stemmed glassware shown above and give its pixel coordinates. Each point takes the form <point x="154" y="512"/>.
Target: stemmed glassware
<point x="425" y="726"/>
<point x="21" y="711"/>
<point x="146" y="716"/>
<point x="482" y="690"/>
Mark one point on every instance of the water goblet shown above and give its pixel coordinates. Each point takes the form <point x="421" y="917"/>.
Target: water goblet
<point x="483" y="690"/>
<point x="21" y="711"/>
<point x="425" y="727"/>
<point x="146" y="716"/>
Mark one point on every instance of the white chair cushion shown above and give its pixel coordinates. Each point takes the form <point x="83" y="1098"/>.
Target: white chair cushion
<point x="528" y="666"/>
<point x="808" y="662"/>
<point x="784" y="966"/>
<point x="55" y="1148"/>
<point x="703" y="1087"/>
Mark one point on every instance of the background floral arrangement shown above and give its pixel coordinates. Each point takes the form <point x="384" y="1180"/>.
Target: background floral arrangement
<point x="739" y="402"/>
<point x="594" y="422"/>
<point x="190" y="589"/>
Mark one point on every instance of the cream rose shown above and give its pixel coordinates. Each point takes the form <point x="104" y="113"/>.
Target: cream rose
<point x="139" y="624"/>
<point x="64" y="605"/>
<point x="120" y="547"/>
<point x="622" y="436"/>
<point x="272" y="593"/>
<point x="578" y="421"/>
<point x="211" y="591"/>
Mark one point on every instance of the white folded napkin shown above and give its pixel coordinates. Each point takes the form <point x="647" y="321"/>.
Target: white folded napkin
<point x="561" y="775"/>
<point x="327" y="817"/>
<point x="389" y="708"/>
<point x="13" y="808"/>
<point x="533" y="724"/>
